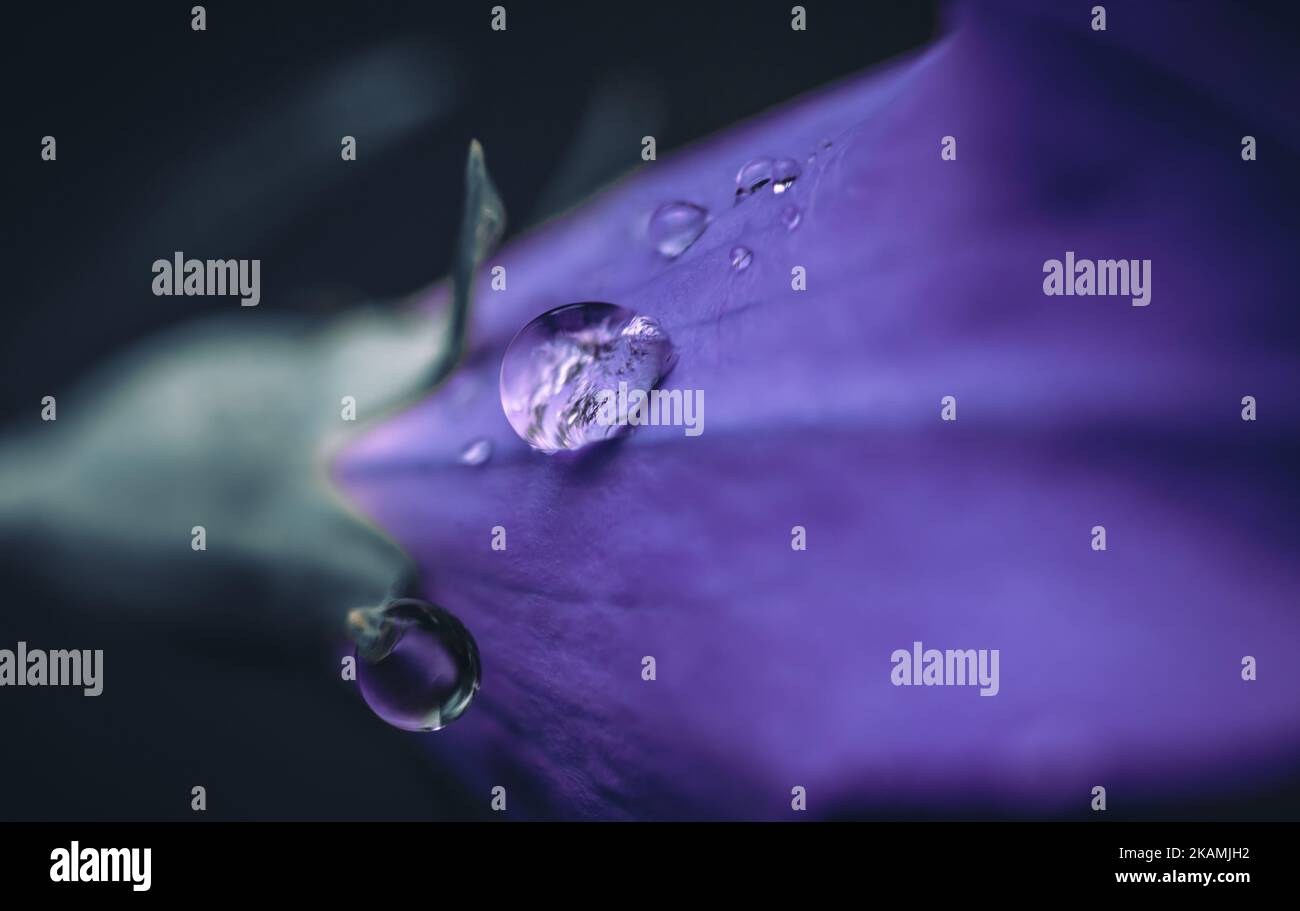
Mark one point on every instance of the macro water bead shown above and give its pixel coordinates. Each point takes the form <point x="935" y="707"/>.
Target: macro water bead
<point x="674" y="226"/>
<point x="417" y="665"/>
<point x="752" y="177"/>
<point x="559" y="366"/>
<point x="784" y="173"/>
<point x="476" y="452"/>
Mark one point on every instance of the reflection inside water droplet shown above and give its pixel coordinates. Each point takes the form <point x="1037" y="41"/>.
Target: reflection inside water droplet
<point x="557" y="368"/>
<point x="741" y="257"/>
<point x="674" y="226"/>
<point x="417" y="665"/>
<point x="476" y="452"/>
<point x="784" y="173"/>
<point x="751" y="178"/>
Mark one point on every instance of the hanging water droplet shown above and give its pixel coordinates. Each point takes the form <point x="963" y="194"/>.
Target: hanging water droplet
<point x="741" y="257"/>
<point x="753" y="177"/>
<point x="417" y="665"/>
<point x="784" y="173"/>
<point x="477" y="452"/>
<point x="558" y="368"/>
<point x="790" y="217"/>
<point x="674" y="226"/>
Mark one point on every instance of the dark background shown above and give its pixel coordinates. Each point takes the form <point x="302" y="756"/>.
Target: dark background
<point x="225" y="143"/>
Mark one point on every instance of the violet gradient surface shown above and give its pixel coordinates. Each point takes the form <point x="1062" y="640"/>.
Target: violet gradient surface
<point x="924" y="279"/>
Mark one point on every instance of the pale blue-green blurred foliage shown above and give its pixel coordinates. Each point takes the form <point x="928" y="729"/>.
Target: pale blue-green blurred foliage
<point x="228" y="423"/>
<point x="224" y="425"/>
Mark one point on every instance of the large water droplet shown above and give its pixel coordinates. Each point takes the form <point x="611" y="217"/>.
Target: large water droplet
<point x="784" y="173"/>
<point x="674" y="226"/>
<point x="557" y="367"/>
<point x="753" y="177"/>
<point x="741" y="257"/>
<point x="790" y="217"/>
<point x="476" y="453"/>
<point x="417" y="665"/>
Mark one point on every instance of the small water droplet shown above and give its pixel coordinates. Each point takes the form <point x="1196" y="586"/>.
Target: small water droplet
<point x="477" y="452"/>
<point x="741" y="257"/>
<point x="751" y="178"/>
<point x="674" y="226"/>
<point x="417" y="666"/>
<point x="784" y="173"/>
<point x="790" y="217"/>
<point x="826" y="144"/>
<point x="557" y="367"/>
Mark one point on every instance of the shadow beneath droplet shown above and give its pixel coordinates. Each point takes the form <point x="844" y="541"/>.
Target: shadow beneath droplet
<point x="592" y="461"/>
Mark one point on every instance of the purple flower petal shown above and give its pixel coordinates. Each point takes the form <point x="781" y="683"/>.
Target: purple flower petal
<point x="924" y="279"/>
